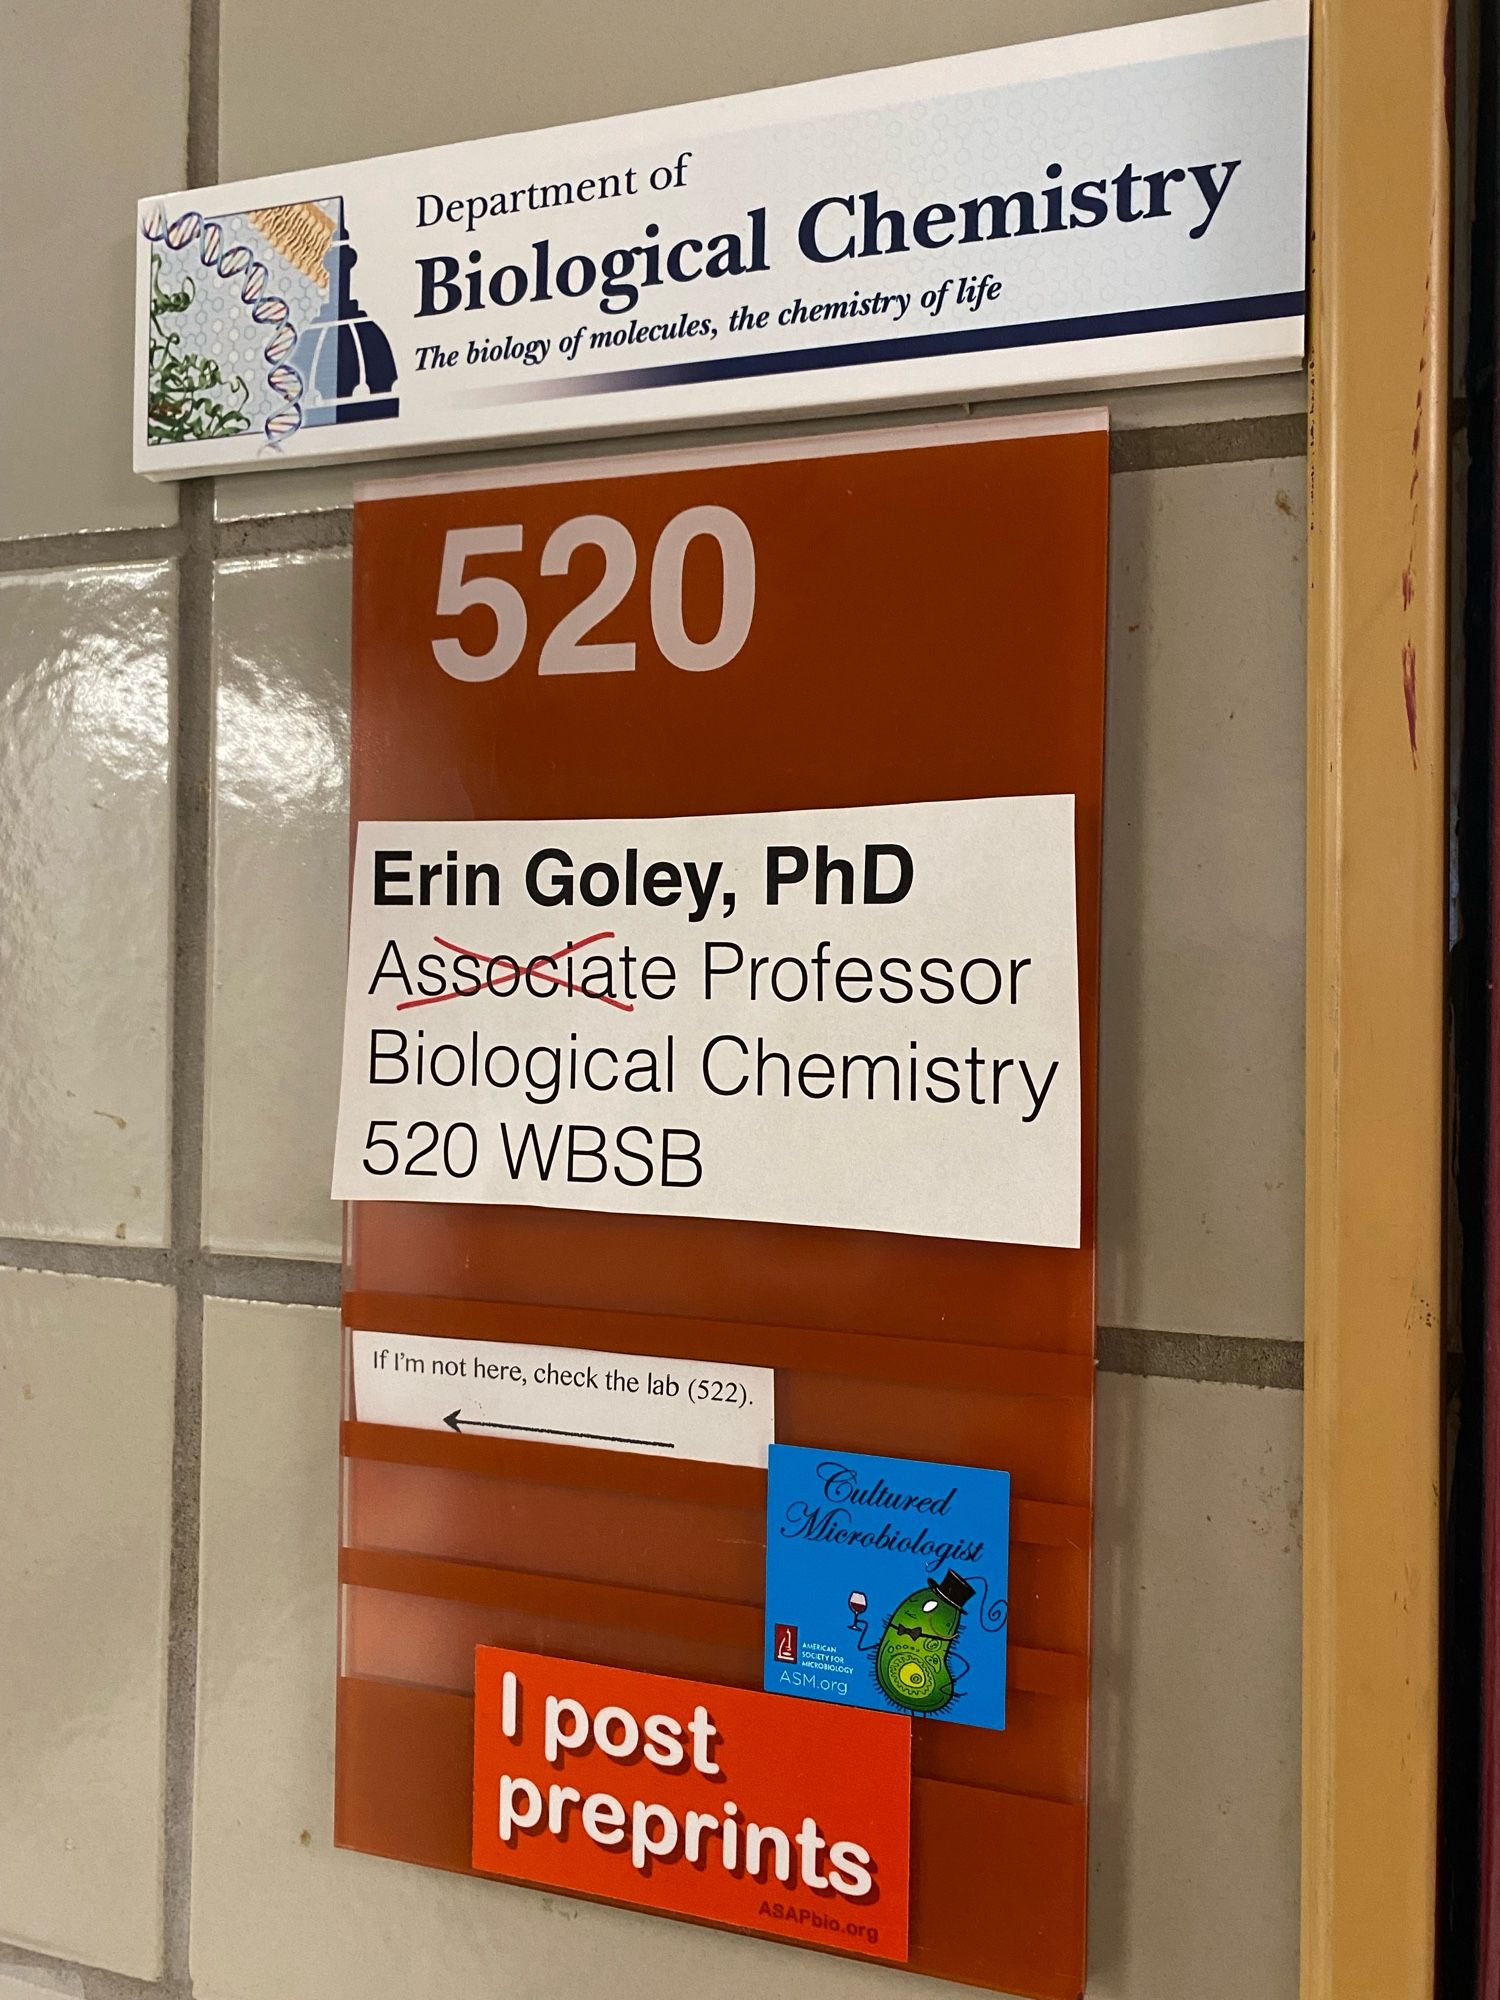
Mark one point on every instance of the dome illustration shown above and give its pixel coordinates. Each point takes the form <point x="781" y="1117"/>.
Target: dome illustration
<point x="343" y="355"/>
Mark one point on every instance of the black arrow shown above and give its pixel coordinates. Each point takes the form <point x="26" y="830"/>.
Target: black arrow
<point x="458" y="1422"/>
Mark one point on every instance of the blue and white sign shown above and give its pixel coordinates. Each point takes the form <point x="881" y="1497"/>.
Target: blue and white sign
<point x="1122" y="206"/>
<point x="886" y="1583"/>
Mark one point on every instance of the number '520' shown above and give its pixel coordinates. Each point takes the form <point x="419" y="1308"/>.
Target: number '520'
<point x="567" y="648"/>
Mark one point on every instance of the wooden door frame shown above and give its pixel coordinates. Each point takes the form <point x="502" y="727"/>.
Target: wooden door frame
<point x="1378" y="435"/>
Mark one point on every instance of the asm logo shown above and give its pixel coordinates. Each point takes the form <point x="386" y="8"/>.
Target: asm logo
<point x="786" y="1643"/>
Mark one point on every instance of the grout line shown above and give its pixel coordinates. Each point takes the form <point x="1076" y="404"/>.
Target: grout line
<point x="285" y="534"/>
<point x="283" y="1281"/>
<point x="91" y="545"/>
<point x="268" y="1280"/>
<point x="1162" y="448"/>
<point x="193" y="764"/>
<point x="203" y="94"/>
<point x="89" y="1260"/>
<point x="1248" y="1362"/>
<point x="1227" y="441"/>
<point x="71" y="1978"/>
<point x="1170" y="447"/>
<point x="192" y="744"/>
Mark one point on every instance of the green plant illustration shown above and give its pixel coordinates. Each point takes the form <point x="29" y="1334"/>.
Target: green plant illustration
<point x="181" y="404"/>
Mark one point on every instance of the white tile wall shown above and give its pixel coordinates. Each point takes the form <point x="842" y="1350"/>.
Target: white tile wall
<point x="474" y="70"/>
<point x="1196" y="1716"/>
<point x="94" y="116"/>
<point x="279" y="921"/>
<point x="85" y="901"/>
<point x="1195" y="1738"/>
<point x="1201" y="1009"/>
<point x="86" y="1370"/>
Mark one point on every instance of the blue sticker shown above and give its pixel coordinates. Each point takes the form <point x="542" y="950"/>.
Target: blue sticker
<point x="886" y="1582"/>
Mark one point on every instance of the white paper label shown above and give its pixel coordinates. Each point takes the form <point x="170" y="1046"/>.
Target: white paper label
<point x="643" y="1403"/>
<point x="865" y="1017"/>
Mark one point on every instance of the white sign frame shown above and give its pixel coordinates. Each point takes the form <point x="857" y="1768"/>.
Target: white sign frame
<point x="921" y="181"/>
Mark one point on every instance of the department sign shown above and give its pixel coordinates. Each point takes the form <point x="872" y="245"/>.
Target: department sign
<point x="1122" y="206"/>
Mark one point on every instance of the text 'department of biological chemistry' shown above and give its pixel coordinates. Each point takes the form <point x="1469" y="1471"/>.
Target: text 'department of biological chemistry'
<point x="863" y="1017"/>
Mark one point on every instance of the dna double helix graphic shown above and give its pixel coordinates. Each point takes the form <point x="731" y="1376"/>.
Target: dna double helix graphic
<point x="228" y="265"/>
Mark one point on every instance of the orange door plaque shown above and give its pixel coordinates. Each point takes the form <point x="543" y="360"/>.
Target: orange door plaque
<point x="927" y="625"/>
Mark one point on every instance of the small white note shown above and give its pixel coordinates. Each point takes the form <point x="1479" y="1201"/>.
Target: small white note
<point x="644" y="1403"/>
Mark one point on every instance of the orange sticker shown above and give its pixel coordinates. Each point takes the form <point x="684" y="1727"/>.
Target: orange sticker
<point x="751" y="1809"/>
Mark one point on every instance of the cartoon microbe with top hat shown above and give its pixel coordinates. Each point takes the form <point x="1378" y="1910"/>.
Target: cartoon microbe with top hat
<point x="916" y="1663"/>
